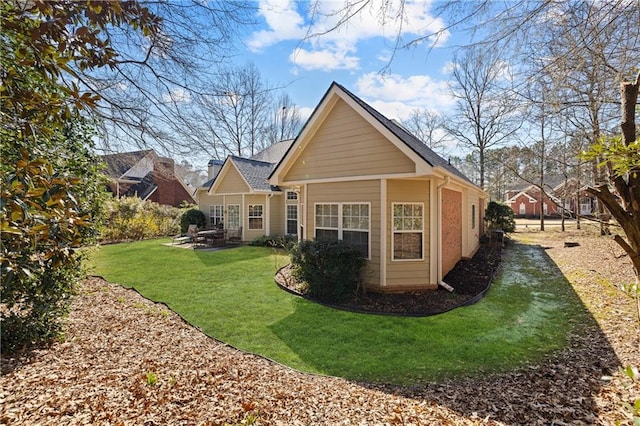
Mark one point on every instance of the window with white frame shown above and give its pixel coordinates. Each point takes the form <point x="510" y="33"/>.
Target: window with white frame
<point x="233" y="216"/>
<point x="292" y="195"/>
<point x="408" y="231"/>
<point x="292" y="219"/>
<point x="344" y="221"/>
<point x="256" y="212"/>
<point x="216" y="215"/>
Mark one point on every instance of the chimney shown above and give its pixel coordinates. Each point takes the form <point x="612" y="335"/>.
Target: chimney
<point x="213" y="168"/>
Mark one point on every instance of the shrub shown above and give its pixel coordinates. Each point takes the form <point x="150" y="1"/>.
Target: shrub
<point x="500" y="216"/>
<point x="331" y="268"/>
<point x="130" y="218"/>
<point x="286" y="242"/>
<point x="192" y="217"/>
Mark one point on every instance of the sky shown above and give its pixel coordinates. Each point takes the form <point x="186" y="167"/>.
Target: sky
<point x="354" y="56"/>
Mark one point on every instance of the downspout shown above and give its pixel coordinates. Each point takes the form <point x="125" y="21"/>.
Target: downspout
<point x="268" y="215"/>
<point x="439" y="236"/>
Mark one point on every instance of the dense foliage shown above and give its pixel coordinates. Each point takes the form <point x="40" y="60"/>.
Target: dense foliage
<point x="51" y="186"/>
<point x="500" y="216"/>
<point x="332" y="269"/>
<point x="50" y="204"/>
<point x="130" y="218"/>
<point x="192" y="217"/>
<point x="286" y="242"/>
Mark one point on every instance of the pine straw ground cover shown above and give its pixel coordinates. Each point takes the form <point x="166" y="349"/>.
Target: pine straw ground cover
<point x="126" y="360"/>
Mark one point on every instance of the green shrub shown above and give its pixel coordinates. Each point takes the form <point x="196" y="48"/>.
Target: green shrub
<point x="500" y="216"/>
<point x="192" y="217"/>
<point x="332" y="269"/>
<point x="286" y="242"/>
<point x="130" y="218"/>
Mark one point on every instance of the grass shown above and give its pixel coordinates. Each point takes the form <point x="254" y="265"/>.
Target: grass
<point x="231" y="296"/>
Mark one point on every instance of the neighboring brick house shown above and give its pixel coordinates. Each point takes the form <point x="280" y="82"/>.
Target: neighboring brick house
<point x="148" y="176"/>
<point x="565" y="196"/>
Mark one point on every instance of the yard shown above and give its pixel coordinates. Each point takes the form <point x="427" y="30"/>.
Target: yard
<point x="127" y="359"/>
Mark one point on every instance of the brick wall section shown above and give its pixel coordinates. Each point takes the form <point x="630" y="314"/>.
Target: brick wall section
<point x="451" y="229"/>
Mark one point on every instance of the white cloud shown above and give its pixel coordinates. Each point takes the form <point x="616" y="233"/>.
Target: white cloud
<point x="396" y="96"/>
<point x="328" y="47"/>
<point x="325" y="60"/>
<point x="284" y="23"/>
<point x="178" y="95"/>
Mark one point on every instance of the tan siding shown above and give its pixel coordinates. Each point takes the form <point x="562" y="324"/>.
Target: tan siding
<point x="408" y="274"/>
<point x="347" y="145"/>
<point x="367" y="191"/>
<point x="277" y="214"/>
<point x="251" y="234"/>
<point x="232" y="183"/>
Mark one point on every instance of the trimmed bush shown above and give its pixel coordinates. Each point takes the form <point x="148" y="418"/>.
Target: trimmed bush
<point x="286" y="242"/>
<point x="332" y="269"/>
<point x="192" y="217"/>
<point x="500" y="216"/>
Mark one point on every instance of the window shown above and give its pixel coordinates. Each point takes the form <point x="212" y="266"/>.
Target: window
<point x="408" y="229"/>
<point x="523" y="209"/>
<point x="255" y="216"/>
<point x="216" y="215"/>
<point x="233" y="216"/>
<point x="292" y="219"/>
<point x="292" y="195"/>
<point x="347" y="222"/>
<point x="473" y="216"/>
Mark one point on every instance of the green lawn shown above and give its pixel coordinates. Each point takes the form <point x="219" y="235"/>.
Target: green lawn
<point x="231" y="295"/>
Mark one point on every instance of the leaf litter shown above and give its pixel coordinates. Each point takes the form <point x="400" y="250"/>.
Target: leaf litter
<point x="126" y="360"/>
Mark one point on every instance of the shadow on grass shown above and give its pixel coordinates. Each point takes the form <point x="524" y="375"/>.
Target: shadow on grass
<point x="538" y="355"/>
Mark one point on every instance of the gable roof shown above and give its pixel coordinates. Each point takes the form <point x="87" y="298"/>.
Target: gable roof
<point x="254" y="172"/>
<point x="426" y="153"/>
<point x="406" y="139"/>
<point x="120" y="163"/>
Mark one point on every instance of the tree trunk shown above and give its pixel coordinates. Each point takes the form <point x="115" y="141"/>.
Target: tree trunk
<point x="627" y="210"/>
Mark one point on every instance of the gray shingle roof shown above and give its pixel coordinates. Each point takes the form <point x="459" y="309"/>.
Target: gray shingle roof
<point x="255" y="173"/>
<point x="274" y="152"/>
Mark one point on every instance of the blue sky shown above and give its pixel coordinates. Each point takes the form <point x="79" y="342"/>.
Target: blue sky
<point x="353" y="56"/>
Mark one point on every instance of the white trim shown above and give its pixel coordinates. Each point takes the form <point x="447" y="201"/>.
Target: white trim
<point x="434" y="214"/>
<point x="515" y="197"/>
<point x="340" y="227"/>
<point x="411" y="231"/>
<point x="255" y="217"/>
<point x="286" y="218"/>
<point x="383" y="232"/>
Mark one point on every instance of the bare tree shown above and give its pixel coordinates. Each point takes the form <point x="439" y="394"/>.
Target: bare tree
<point x="285" y="121"/>
<point x="427" y="125"/>
<point x="484" y="116"/>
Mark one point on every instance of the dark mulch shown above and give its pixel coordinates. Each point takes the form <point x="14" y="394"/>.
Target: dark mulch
<point x="469" y="278"/>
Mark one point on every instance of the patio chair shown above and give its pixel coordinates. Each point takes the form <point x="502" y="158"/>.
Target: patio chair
<point x="188" y="237"/>
<point x="234" y="235"/>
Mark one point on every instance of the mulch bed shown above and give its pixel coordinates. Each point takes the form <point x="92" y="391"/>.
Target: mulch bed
<point x="114" y="339"/>
<point x="470" y="279"/>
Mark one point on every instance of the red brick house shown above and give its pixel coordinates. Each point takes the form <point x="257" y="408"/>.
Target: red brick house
<point x="146" y="175"/>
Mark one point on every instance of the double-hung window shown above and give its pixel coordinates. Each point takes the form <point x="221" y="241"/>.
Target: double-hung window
<point x="344" y="221"/>
<point x="256" y="212"/>
<point x="292" y="219"/>
<point x="216" y="215"/>
<point x="408" y="231"/>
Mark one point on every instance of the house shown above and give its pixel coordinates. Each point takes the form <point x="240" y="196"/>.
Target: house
<point x="146" y="175"/>
<point x="238" y="195"/>
<point x="564" y="196"/>
<point x="357" y="176"/>
<point x="526" y="202"/>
